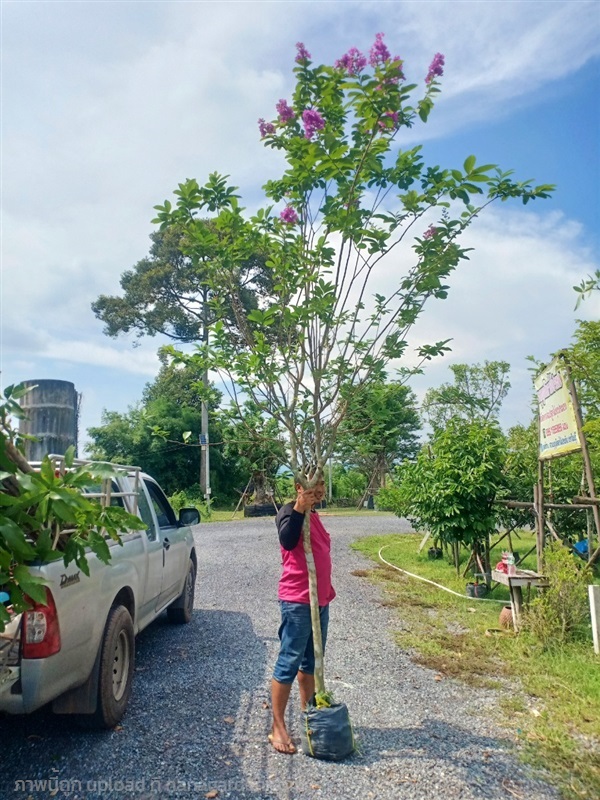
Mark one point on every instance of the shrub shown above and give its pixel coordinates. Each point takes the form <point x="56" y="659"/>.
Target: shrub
<point x="557" y="614"/>
<point x="189" y="498"/>
<point x="450" y="488"/>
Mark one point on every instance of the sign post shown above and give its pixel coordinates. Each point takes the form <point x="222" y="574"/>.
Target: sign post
<point x="561" y="430"/>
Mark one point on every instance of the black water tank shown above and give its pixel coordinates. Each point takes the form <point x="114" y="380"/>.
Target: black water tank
<point x="51" y="409"/>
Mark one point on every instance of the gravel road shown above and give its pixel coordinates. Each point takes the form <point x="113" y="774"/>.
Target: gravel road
<point x="199" y="714"/>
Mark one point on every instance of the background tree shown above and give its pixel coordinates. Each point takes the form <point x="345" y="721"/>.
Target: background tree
<point x="161" y="434"/>
<point x="348" y="484"/>
<point x="351" y="198"/>
<point x="167" y="293"/>
<point x="449" y="490"/>
<point x="254" y="443"/>
<point x="584" y="358"/>
<point x="476" y="393"/>
<point x="379" y="430"/>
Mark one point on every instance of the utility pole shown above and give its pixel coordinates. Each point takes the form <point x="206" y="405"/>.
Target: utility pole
<point x="204" y="438"/>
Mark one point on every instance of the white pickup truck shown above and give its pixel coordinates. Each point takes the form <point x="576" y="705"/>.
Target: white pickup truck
<point x="77" y="650"/>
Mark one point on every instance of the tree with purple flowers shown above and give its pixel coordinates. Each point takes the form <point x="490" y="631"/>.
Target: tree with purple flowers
<point x="353" y="211"/>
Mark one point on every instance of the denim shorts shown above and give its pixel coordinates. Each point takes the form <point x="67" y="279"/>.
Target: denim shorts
<point x="295" y="634"/>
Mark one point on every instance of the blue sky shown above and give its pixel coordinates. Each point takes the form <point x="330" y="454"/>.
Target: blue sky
<point x="108" y="105"/>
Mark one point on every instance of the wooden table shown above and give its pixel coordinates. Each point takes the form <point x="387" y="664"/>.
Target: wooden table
<point x="515" y="583"/>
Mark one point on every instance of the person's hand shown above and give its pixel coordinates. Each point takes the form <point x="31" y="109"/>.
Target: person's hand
<point x="305" y="501"/>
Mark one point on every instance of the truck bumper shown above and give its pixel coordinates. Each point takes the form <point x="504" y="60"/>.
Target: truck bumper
<point x="11" y="697"/>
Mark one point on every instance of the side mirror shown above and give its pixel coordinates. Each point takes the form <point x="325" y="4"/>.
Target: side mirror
<point x="189" y="516"/>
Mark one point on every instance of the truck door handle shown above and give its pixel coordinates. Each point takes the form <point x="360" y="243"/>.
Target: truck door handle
<point x="166" y="544"/>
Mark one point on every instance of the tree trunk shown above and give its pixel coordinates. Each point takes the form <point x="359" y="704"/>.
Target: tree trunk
<point x="259" y="481"/>
<point x="456" y="555"/>
<point x="314" y="606"/>
<point x="382" y="471"/>
<point x="9" y="485"/>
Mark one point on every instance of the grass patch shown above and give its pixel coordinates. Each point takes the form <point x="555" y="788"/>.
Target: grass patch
<point x="554" y="697"/>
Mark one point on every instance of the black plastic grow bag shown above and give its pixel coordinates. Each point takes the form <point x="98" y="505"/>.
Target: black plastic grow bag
<point x="327" y="732"/>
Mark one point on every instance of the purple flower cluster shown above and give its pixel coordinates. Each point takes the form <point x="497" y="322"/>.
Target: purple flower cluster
<point x="353" y="62"/>
<point x="430" y="232"/>
<point x="436" y="68"/>
<point x="289" y="215"/>
<point x="379" y="53"/>
<point x="286" y="113"/>
<point x="313" y="121"/>
<point x="303" y="55"/>
<point x="265" y="128"/>
<point x="384" y="121"/>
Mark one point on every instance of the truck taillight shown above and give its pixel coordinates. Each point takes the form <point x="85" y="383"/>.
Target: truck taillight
<point x="41" y="634"/>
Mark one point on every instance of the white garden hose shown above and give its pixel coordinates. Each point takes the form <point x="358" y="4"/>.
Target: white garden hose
<point x="438" y="585"/>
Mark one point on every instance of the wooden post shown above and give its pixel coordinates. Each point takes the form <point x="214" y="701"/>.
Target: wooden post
<point x="516" y="602"/>
<point x="488" y="562"/>
<point x="586" y="461"/>
<point x="594" y="592"/>
<point x="241" y="498"/>
<point x="538" y="494"/>
<point x="538" y="499"/>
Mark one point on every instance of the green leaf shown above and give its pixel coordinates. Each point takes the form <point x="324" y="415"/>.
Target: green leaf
<point x="15" y="539"/>
<point x="469" y="164"/>
<point x="32" y="585"/>
<point x="69" y="456"/>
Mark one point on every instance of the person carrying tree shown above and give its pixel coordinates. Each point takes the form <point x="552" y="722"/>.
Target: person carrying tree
<point x="296" y="653"/>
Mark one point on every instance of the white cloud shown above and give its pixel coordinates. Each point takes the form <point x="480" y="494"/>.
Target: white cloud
<point x="512" y="299"/>
<point x="108" y="106"/>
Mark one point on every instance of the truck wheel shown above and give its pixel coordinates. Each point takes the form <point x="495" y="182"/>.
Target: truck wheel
<point x="180" y="612"/>
<point x="117" y="656"/>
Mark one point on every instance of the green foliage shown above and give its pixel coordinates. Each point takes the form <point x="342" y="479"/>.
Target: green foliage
<point x="161" y="434"/>
<point x="192" y="499"/>
<point x="348" y="484"/>
<point x="584" y="357"/>
<point x="587" y="286"/>
<point x="562" y="480"/>
<point x="254" y="443"/>
<point x="450" y="487"/>
<point x="389" y="498"/>
<point x="520" y="472"/>
<point x="165" y="292"/>
<point x="380" y="429"/>
<point x="352" y="198"/>
<point x="556" y="615"/>
<point x="285" y="485"/>
<point x="45" y="515"/>
<point x="477" y="393"/>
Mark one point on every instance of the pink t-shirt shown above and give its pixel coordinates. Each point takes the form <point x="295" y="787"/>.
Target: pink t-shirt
<point x="293" y="585"/>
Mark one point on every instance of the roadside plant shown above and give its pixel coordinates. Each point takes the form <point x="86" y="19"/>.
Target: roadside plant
<point x="357" y="235"/>
<point x="45" y="516"/>
<point x="556" y="615"/>
<point x="449" y="490"/>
